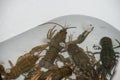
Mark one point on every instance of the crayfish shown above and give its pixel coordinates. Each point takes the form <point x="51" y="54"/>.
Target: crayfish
<point x="108" y="57"/>
<point x="54" y="47"/>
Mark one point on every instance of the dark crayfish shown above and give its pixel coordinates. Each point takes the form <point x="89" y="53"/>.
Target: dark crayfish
<point x="82" y="60"/>
<point x="85" y="69"/>
<point x="78" y="56"/>
<point x="108" y="56"/>
<point x="54" y="47"/>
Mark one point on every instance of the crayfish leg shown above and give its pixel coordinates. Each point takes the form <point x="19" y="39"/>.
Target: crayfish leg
<point x="51" y="33"/>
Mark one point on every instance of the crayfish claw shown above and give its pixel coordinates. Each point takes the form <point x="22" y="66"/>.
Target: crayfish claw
<point x="92" y="29"/>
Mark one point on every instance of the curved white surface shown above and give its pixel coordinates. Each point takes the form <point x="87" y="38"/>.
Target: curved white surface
<point x="36" y="36"/>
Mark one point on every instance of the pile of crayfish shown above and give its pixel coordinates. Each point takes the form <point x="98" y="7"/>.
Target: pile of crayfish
<point x="80" y="64"/>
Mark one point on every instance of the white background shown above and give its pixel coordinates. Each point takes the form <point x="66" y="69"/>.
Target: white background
<point x="17" y="16"/>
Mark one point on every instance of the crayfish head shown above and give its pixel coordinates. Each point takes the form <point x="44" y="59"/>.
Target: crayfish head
<point x="63" y="32"/>
<point x="106" y="41"/>
<point x="62" y="35"/>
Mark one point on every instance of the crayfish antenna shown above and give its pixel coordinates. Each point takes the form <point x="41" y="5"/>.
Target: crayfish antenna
<point x="53" y="23"/>
<point x="58" y="25"/>
<point x="70" y="27"/>
<point x="67" y="26"/>
<point x="118" y="45"/>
